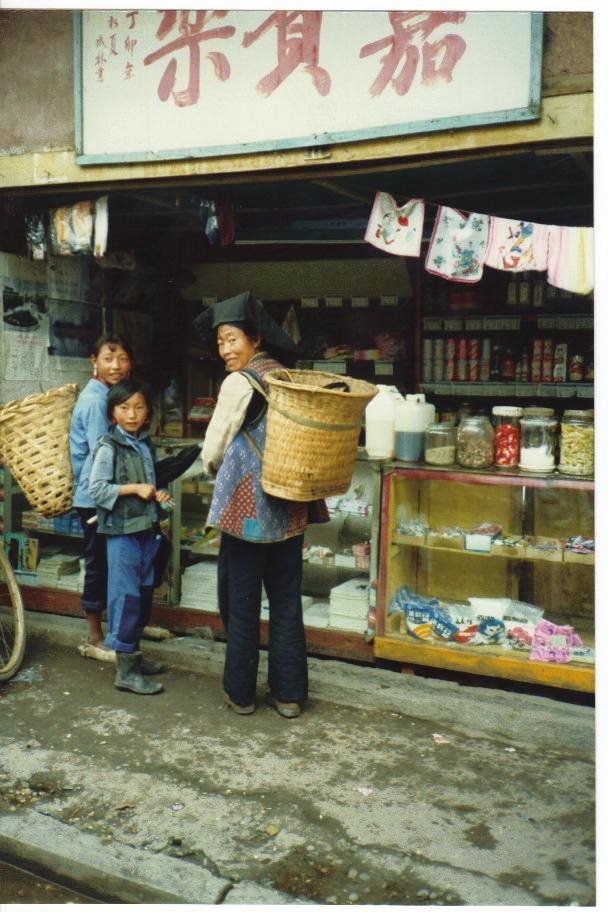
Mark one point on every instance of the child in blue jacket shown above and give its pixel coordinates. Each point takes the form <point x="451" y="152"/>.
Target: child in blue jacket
<point x="124" y="485"/>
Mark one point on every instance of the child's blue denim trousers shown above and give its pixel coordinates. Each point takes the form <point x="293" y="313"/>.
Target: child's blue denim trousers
<point x="130" y="577"/>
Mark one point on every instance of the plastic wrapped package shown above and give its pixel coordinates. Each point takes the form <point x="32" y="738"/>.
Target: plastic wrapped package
<point x="35" y="235"/>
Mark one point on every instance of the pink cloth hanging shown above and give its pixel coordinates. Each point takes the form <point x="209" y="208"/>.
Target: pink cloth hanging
<point x="517" y="246"/>
<point x="571" y="259"/>
<point x="458" y="245"/>
<point x="396" y="229"/>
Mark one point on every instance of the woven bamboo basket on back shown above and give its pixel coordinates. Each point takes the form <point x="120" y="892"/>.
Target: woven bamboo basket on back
<point x="34" y="444"/>
<point x="312" y="431"/>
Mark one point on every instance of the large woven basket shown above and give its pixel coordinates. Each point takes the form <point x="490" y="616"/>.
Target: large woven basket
<point x="312" y="433"/>
<point x="34" y="444"/>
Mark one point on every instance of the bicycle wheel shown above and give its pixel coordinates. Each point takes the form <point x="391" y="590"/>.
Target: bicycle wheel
<point x="12" y="620"/>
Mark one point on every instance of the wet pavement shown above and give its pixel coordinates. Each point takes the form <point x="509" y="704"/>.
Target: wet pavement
<point x="22" y="887"/>
<point x="387" y="790"/>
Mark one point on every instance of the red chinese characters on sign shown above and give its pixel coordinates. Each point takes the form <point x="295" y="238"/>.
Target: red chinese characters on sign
<point x="409" y="49"/>
<point x="100" y="65"/>
<point x="298" y="39"/>
<point x="438" y="57"/>
<point x="110" y="44"/>
<point x="191" y="34"/>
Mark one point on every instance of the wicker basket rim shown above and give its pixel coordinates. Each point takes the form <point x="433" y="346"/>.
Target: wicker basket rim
<point x="10" y="409"/>
<point x="365" y="388"/>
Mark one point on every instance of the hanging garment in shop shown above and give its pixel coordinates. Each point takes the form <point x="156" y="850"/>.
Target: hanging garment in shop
<point x="458" y="245"/>
<point x="225" y="219"/>
<point x="516" y="245"/>
<point x="100" y="241"/>
<point x="71" y="229"/>
<point x="396" y="229"/>
<point x="291" y="326"/>
<point x="571" y="259"/>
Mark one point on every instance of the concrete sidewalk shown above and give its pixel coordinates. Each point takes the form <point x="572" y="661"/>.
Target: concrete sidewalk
<point x="389" y="789"/>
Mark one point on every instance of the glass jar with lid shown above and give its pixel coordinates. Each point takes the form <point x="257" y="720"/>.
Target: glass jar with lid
<point x="507" y="435"/>
<point x="440" y="444"/>
<point x="475" y="442"/>
<point x="538" y="411"/>
<point x="537" y="450"/>
<point x="577" y="442"/>
<point x="464" y="410"/>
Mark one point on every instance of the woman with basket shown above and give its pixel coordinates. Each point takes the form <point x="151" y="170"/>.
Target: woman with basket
<point x="112" y="361"/>
<point x="262" y="535"/>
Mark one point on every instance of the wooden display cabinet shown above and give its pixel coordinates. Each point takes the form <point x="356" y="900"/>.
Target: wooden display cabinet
<point x="192" y="548"/>
<point x="539" y="512"/>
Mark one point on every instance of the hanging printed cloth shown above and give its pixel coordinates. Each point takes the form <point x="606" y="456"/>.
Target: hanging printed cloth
<point x="571" y="259"/>
<point x="396" y="229"/>
<point x="458" y="245"/>
<point x="517" y="246"/>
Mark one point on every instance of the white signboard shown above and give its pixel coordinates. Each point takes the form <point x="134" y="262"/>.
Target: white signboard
<point x="159" y="84"/>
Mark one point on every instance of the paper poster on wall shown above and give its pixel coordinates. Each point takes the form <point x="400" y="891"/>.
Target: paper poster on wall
<point x="67" y="278"/>
<point x="23" y="341"/>
<point x="23" y="310"/>
<point x="73" y="328"/>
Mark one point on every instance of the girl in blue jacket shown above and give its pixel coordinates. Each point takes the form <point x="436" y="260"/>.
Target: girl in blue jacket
<point x="125" y="488"/>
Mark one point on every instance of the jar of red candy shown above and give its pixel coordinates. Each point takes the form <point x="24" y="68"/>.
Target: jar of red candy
<point x="507" y="435"/>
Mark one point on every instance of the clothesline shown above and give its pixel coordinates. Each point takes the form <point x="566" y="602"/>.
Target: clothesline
<point x="437" y="206"/>
<point x="463" y="243"/>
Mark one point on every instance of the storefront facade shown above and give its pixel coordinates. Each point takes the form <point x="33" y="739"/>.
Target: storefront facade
<point x="298" y="217"/>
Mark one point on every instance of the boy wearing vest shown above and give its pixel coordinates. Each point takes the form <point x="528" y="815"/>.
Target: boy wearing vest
<point x="124" y="485"/>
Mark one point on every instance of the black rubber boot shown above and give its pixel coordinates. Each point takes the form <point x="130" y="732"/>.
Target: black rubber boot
<point x="129" y="676"/>
<point x="150" y="667"/>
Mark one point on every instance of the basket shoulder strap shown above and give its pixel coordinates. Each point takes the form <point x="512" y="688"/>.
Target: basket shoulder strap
<point x="252" y="444"/>
<point x="255" y="382"/>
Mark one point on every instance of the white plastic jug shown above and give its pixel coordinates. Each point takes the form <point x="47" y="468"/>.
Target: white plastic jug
<point x="380" y="424"/>
<point x="412" y="416"/>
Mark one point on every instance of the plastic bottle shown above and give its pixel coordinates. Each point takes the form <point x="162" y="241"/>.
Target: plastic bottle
<point x="412" y="416"/>
<point x="380" y="424"/>
<point x="495" y="358"/>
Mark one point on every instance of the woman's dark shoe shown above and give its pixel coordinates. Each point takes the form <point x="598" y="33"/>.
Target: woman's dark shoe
<point x="129" y="676"/>
<point x="237" y="707"/>
<point x="287" y="710"/>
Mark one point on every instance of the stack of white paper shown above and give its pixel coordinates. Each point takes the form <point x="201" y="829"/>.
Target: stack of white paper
<point x="317" y="615"/>
<point x="349" y="605"/>
<point x="51" y="571"/>
<point x="199" y="587"/>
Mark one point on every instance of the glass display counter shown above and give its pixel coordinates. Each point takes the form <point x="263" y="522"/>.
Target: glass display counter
<point x="488" y="573"/>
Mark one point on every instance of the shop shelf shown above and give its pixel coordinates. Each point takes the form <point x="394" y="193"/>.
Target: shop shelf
<point x="542" y="511"/>
<point x="516" y="389"/>
<point x="489" y="661"/>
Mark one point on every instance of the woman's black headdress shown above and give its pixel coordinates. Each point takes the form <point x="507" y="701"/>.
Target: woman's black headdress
<point x="244" y="308"/>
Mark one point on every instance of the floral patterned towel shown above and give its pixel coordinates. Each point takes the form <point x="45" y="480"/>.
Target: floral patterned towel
<point x="396" y="229"/>
<point x="458" y="245"/>
<point x="517" y="246"/>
